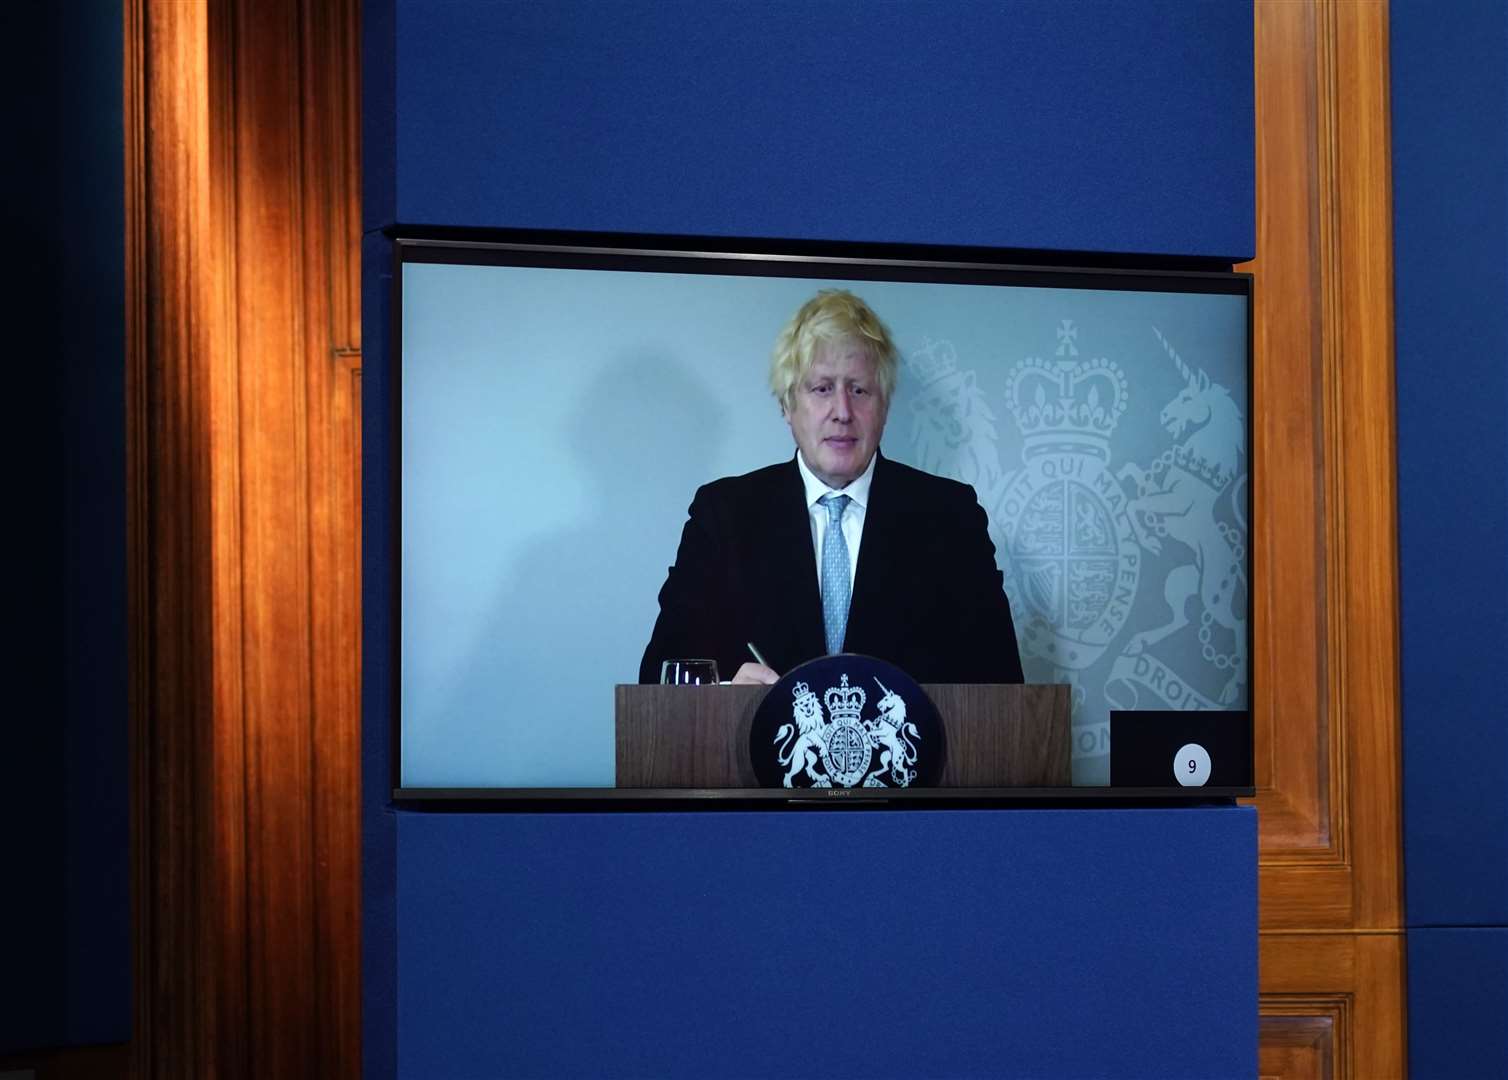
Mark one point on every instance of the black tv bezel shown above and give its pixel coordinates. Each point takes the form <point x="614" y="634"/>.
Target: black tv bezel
<point x="753" y="258"/>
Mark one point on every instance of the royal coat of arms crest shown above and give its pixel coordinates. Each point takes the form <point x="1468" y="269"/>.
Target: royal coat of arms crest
<point x="840" y="748"/>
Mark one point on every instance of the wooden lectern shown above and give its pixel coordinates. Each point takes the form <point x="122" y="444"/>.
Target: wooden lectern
<point x="698" y="736"/>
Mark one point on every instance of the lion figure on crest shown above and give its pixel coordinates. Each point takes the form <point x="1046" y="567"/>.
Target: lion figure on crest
<point x="806" y="730"/>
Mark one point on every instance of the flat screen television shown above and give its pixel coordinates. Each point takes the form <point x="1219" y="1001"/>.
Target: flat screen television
<point x="556" y="405"/>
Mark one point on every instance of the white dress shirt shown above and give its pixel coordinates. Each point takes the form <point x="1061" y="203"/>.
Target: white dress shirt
<point x="853" y="514"/>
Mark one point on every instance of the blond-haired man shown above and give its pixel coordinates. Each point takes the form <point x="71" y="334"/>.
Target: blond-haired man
<point x="838" y="549"/>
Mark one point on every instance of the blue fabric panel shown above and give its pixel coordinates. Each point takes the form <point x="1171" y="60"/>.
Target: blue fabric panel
<point x="1458" y="1003"/>
<point x="1020" y="943"/>
<point x="379" y="159"/>
<point x="1026" y="943"/>
<point x="1101" y="125"/>
<point x="379" y="915"/>
<point x="1450" y="185"/>
<point x="96" y="948"/>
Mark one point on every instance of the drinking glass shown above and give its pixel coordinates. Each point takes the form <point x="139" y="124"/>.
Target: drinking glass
<point x="689" y="672"/>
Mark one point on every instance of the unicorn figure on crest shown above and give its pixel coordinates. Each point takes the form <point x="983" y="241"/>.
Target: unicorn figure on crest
<point x="1195" y="495"/>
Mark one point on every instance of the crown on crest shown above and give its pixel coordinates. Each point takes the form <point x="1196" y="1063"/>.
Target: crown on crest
<point x="801" y="690"/>
<point x="1078" y="399"/>
<point x="844" y="702"/>
<point x="933" y="362"/>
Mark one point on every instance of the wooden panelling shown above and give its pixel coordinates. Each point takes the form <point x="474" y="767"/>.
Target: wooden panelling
<point x="1324" y="546"/>
<point x="1298" y="1040"/>
<point x="678" y="736"/>
<point x="186" y="852"/>
<point x="243" y="423"/>
<point x="1349" y="983"/>
<point x="1327" y="622"/>
<point x="330" y="123"/>
<point x="1292" y="716"/>
<point x="1025" y="744"/>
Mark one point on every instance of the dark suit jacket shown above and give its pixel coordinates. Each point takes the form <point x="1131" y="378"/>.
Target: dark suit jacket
<point x="927" y="596"/>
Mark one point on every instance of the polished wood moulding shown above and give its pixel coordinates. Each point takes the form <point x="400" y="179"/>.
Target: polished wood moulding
<point x="243" y="363"/>
<point x="1324" y="547"/>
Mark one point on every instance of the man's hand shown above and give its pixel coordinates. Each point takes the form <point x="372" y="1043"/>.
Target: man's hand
<point x="755" y="675"/>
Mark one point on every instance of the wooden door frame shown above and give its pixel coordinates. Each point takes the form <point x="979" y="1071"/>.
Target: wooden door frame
<point x="242" y="125"/>
<point x="1325" y="546"/>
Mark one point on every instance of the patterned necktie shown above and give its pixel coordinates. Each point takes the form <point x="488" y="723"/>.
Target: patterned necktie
<point x="835" y="584"/>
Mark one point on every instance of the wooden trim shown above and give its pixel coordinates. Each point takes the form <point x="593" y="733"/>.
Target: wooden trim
<point x="331" y="200"/>
<point x="138" y="625"/>
<point x="1363" y="400"/>
<point x="1355" y="981"/>
<point x="227" y="912"/>
<point x="1323" y="284"/>
<point x="1292" y="718"/>
<point x="1330" y="873"/>
<point x="243" y="489"/>
<point x="1299" y="1038"/>
<point x="172" y="278"/>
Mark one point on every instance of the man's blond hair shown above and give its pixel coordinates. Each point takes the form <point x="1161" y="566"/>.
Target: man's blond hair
<point x="831" y="315"/>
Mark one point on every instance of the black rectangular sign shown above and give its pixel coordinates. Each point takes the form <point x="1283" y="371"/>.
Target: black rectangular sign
<point x="1181" y="748"/>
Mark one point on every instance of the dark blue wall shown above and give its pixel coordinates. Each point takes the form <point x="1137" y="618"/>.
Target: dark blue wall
<point x="1450" y="192"/>
<point x="1026" y="943"/>
<point x="1111" y="127"/>
<point x="66" y="944"/>
<point x="1099" y="126"/>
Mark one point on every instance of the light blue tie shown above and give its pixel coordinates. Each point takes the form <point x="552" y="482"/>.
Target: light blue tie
<point x="836" y="587"/>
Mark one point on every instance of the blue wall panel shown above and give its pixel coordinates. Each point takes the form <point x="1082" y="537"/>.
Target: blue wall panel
<point x="1110" y="943"/>
<point x="91" y="335"/>
<point x="1450" y="185"/>
<point x="1096" y="126"/>
<point x="540" y="941"/>
<point x="1450" y="197"/>
<point x="379" y="883"/>
<point x="1458" y="1002"/>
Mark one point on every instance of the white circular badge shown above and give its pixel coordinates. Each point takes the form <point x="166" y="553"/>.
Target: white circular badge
<point x="1192" y="765"/>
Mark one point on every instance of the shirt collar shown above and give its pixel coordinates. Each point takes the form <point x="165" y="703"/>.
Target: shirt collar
<point x="858" y="491"/>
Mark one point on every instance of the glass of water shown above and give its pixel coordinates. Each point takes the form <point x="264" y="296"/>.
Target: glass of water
<point x="689" y="672"/>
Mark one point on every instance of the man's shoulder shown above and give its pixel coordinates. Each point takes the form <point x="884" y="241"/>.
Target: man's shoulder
<point x="782" y="473"/>
<point x="748" y="489"/>
<point x="918" y="488"/>
<point x="909" y="486"/>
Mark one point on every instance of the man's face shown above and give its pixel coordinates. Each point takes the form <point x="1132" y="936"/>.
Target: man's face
<point x="838" y="415"/>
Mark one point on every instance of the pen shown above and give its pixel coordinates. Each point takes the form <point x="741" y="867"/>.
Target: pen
<point x="755" y="651"/>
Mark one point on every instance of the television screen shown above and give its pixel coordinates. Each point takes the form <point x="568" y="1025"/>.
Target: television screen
<point x="558" y="407"/>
